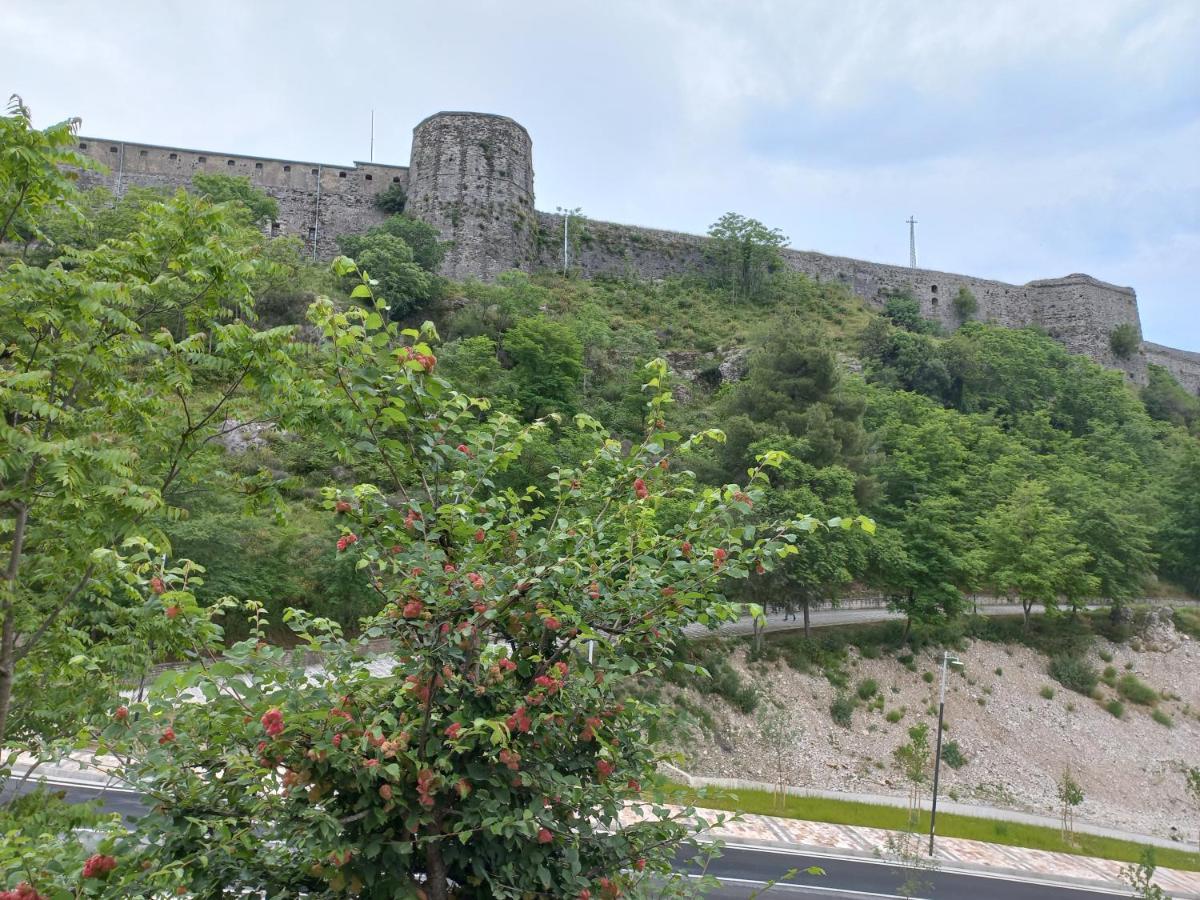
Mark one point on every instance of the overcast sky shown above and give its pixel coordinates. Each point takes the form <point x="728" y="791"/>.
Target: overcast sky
<point x="1030" y="139"/>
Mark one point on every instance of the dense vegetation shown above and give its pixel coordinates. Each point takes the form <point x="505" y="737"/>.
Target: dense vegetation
<point x="173" y="389"/>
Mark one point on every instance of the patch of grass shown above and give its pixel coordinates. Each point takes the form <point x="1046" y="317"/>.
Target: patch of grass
<point x="867" y="688"/>
<point x="723" y="680"/>
<point x="1047" y="692"/>
<point x="927" y="677"/>
<point x="1162" y="718"/>
<point x="1109" y="676"/>
<point x="1073" y="672"/>
<point x="1187" y="620"/>
<point x="1106" y="656"/>
<point x="895" y="715"/>
<point x="999" y="672"/>
<point x="1115" y="708"/>
<point x="952" y="755"/>
<point x="849" y="812"/>
<point x="841" y="710"/>
<point x="1136" y="691"/>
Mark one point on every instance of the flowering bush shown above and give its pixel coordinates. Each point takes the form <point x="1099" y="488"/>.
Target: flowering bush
<point x="490" y="749"/>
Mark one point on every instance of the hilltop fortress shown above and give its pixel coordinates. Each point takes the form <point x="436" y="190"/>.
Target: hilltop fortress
<point x="471" y="176"/>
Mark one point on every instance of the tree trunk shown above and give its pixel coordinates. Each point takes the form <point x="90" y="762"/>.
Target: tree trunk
<point x="8" y="639"/>
<point x="807" y="624"/>
<point x="1026" y="608"/>
<point x="436" y="885"/>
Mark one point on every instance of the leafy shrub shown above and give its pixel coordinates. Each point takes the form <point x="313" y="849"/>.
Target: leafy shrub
<point x="927" y="677"/>
<point x="1162" y="718"/>
<point x="392" y="201"/>
<point x="1109" y="676"/>
<point x="842" y="710"/>
<point x="1136" y="691"/>
<point x="1124" y="340"/>
<point x="895" y="715"/>
<point x="1047" y="692"/>
<point x="1115" y="707"/>
<point x="867" y="688"/>
<point x="965" y="304"/>
<point x="1074" y="673"/>
<point x="1106" y="656"/>
<point x="999" y="672"/>
<point x="953" y="756"/>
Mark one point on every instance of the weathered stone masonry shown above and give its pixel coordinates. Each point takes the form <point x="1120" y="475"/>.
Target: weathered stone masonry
<point x="471" y="175"/>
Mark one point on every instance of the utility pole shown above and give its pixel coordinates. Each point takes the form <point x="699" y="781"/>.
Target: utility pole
<point x="372" y="156"/>
<point x="912" y="242"/>
<point x="947" y="661"/>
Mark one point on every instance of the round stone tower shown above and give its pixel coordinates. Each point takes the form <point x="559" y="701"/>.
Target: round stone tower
<point x="471" y="176"/>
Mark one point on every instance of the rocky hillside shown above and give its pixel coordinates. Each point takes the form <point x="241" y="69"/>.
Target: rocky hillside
<point x="1016" y="727"/>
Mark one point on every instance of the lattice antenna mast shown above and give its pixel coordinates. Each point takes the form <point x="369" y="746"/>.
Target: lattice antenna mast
<point x="912" y="242"/>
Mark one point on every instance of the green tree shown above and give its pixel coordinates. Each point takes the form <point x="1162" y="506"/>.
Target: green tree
<point x="795" y="387"/>
<point x="392" y="200"/>
<point x="1168" y="401"/>
<point x="1030" y="549"/>
<point x="1124" y="340"/>
<point x="33" y="177"/>
<point x="428" y="249"/>
<point x="915" y="762"/>
<point x="1070" y="795"/>
<point x="743" y="254"/>
<point x="965" y="304"/>
<point x="103" y="416"/>
<point x="491" y="753"/>
<point x="1179" y="532"/>
<point x="257" y="206"/>
<point x="547" y="360"/>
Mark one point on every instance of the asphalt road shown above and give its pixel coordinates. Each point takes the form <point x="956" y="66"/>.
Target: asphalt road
<point x="745" y="871"/>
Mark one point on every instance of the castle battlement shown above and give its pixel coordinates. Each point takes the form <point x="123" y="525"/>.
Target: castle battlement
<point x="471" y="176"/>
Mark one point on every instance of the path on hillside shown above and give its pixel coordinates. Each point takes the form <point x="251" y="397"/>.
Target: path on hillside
<point x="825" y="618"/>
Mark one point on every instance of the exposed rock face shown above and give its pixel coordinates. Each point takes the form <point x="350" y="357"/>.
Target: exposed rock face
<point x="1158" y="632"/>
<point x="238" y="437"/>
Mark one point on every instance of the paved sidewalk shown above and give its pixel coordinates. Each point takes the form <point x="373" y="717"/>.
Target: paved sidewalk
<point x="951" y="853"/>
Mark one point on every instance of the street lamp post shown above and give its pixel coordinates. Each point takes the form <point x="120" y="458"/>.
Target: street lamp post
<point x="947" y="661"/>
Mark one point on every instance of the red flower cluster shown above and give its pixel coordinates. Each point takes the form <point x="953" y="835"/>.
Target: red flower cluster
<point x="639" y="489"/>
<point x="719" y="556"/>
<point x="158" y="585"/>
<point x="426" y="360"/>
<point x="552" y="623"/>
<point x="686" y="549"/>
<point x="172" y="611"/>
<point x="519" y="721"/>
<point x="23" y="891"/>
<point x="453" y="730"/>
<point x="167" y="736"/>
<point x="476" y="579"/>
<point x="98" y="866"/>
<point x="743" y="497"/>
<point x="464" y="450"/>
<point x="426" y="787"/>
<point x="411" y="517"/>
<point x="544" y="836"/>
<point x="510" y="758"/>
<point x="413" y="609"/>
<point x="480" y="536"/>
<point x="272" y="722"/>
<point x="506" y="664"/>
<point x="604" y="768"/>
<point x="121" y="713"/>
<point x="342" y="506"/>
<point x="346" y="540"/>
<point x="594" y="590"/>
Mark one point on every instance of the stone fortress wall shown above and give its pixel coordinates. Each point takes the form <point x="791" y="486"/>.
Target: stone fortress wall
<point x="471" y="175"/>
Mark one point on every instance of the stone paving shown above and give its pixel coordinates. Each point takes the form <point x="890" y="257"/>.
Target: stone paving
<point x="950" y="852"/>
